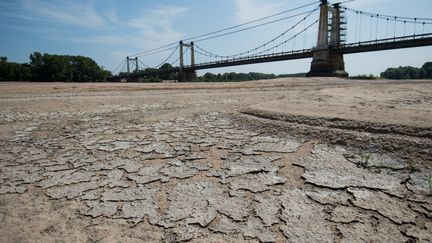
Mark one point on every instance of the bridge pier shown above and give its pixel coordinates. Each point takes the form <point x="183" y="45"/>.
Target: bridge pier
<point x="187" y="75"/>
<point x="327" y="61"/>
<point x="135" y="62"/>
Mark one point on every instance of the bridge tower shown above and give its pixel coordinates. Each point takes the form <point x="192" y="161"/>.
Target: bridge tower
<point x="134" y="61"/>
<point x="327" y="61"/>
<point x="187" y="75"/>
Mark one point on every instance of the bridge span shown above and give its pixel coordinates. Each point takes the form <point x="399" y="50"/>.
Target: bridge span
<point x="327" y="55"/>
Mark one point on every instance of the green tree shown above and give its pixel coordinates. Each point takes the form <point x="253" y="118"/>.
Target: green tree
<point x="209" y="77"/>
<point x="168" y="76"/>
<point x="3" y="68"/>
<point x="409" y="72"/>
<point x="427" y="69"/>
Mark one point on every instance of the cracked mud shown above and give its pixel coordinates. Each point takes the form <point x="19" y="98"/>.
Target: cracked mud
<point x="99" y="176"/>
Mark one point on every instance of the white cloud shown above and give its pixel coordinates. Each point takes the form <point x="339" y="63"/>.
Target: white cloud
<point x="151" y="28"/>
<point x="168" y="11"/>
<point x="74" y="13"/>
<point x="155" y="27"/>
<point x="247" y="10"/>
<point x="102" y="39"/>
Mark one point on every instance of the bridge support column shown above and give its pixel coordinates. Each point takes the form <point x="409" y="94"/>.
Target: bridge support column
<point x="135" y="61"/>
<point x="187" y="75"/>
<point x="327" y="61"/>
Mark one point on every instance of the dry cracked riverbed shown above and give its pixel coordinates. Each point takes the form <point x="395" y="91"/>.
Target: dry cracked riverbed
<point x="132" y="173"/>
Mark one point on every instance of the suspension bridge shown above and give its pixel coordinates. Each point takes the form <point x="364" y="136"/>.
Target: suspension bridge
<point x="370" y="32"/>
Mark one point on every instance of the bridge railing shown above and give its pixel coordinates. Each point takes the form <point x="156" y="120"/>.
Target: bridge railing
<point x="388" y="40"/>
<point x="246" y="58"/>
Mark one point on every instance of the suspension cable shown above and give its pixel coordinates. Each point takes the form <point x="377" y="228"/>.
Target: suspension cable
<point x="396" y="18"/>
<point x="268" y="42"/>
<point x="251" y="22"/>
<point x="178" y="58"/>
<point x="387" y="28"/>
<point x="124" y="65"/>
<point x="356" y="24"/>
<point x="172" y="53"/>
<point x="143" y="64"/>
<point x="389" y="16"/>
<point x="153" y="51"/>
<point x="225" y="29"/>
<point x="360" y="28"/>
<point x="377" y="26"/>
<point x="121" y="63"/>
<point x="274" y="47"/>
<point x="255" y="26"/>
<point x="289" y="39"/>
<point x="157" y="52"/>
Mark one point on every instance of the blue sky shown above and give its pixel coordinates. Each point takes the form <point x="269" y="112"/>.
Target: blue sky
<point x="109" y="30"/>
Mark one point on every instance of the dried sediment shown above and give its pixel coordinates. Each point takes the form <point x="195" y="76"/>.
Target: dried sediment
<point x="149" y="172"/>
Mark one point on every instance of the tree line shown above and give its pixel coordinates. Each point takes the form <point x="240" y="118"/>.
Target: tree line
<point x="207" y="77"/>
<point x="234" y="77"/>
<point x="48" y="68"/>
<point x="151" y="78"/>
<point x="66" y="68"/>
<point x="425" y="72"/>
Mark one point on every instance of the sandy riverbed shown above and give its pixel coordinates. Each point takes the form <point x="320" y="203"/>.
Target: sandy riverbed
<point x="289" y="159"/>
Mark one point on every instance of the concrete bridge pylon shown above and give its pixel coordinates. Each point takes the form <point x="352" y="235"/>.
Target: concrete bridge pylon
<point x="327" y="60"/>
<point x="186" y="75"/>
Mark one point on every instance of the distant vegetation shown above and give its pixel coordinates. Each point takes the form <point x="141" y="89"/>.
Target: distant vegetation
<point x="210" y="77"/>
<point x="364" y="76"/>
<point x="234" y="77"/>
<point x="154" y="78"/>
<point x="50" y="68"/>
<point x="425" y="72"/>
<point x="65" y="68"/>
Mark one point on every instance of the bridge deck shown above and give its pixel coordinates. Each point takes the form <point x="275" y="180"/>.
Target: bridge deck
<point x="357" y="47"/>
<point x="388" y="44"/>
